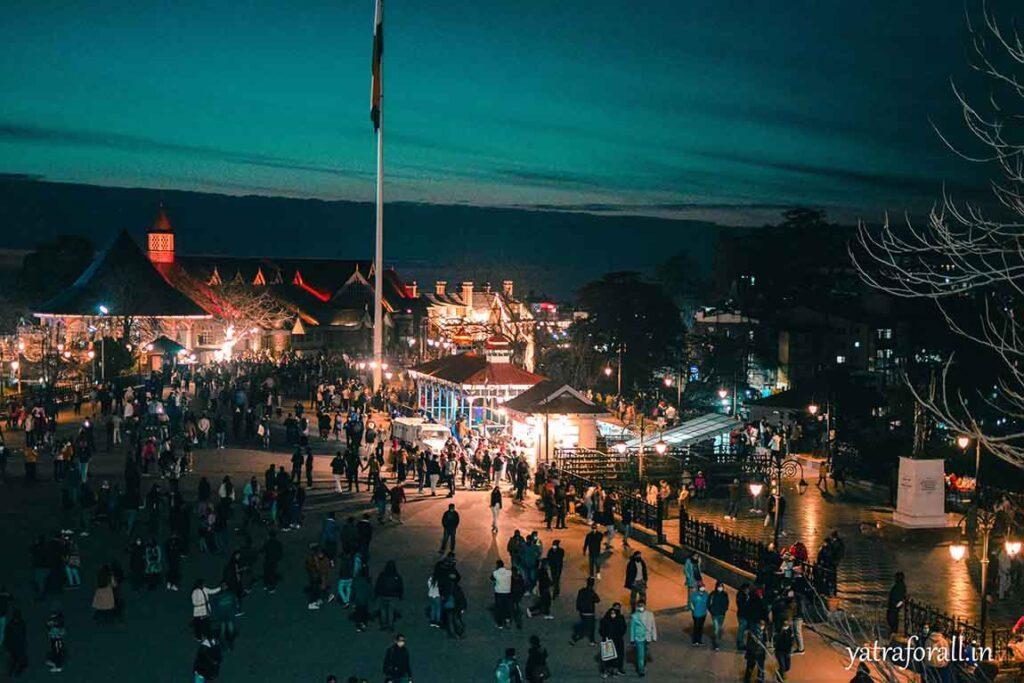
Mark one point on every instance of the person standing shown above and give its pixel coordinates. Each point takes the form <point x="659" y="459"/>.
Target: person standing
<point x="783" y="644"/>
<point x="699" y="610"/>
<point x="397" y="666"/>
<point x="397" y="494"/>
<point x="272" y="551"/>
<point x="556" y="560"/>
<point x="627" y="525"/>
<point x="495" y="508"/>
<point x="733" y="511"/>
<point x="897" y="598"/>
<point x="691" y="572"/>
<point x="55" y="632"/>
<point x="718" y="605"/>
<point x="613" y="628"/>
<point x="592" y="545"/>
<point x="309" y="467"/>
<point x="450" y="524"/>
<point x="501" y="579"/>
<point x="642" y="630"/>
<point x="636" y="579"/>
<point x="337" y="470"/>
<point x="754" y="652"/>
<point x="586" y="604"/>
<point x="388" y="589"/>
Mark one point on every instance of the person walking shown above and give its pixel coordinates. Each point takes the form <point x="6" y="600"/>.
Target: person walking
<point x="613" y="629"/>
<point x="636" y="579"/>
<point x="586" y="604"/>
<point x="783" y="645"/>
<point x="556" y="560"/>
<point x="309" y="468"/>
<point x="718" y="605"/>
<point x="642" y="630"/>
<point x="55" y="632"/>
<point x="388" y="589"/>
<point x="362" y="594"/>
<point x="272" y="552"/>
<point x="495" y="508"/>
<point x="507" y="670"/>
<point x="450" y="524"/>
<point x="337" y="470"/>
<point x="397" y="665"/>
<point x="592" y="547"/>
<point x="537" y="670"/>
<point x="202" y="608"/>
<point x="698" y="610"/>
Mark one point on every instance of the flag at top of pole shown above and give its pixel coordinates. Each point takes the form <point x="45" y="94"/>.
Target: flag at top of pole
<point x="378" y="260"/>
<point x="378" y="54"/>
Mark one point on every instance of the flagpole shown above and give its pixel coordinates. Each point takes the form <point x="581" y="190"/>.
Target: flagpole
<point x="378" y="263"/>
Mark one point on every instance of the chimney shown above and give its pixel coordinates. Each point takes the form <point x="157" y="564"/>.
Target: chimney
<point x="412" y="290"/>
<point x="467" y="293"/>
<point x="439" y="287"/>
<point x="506" y="288"/>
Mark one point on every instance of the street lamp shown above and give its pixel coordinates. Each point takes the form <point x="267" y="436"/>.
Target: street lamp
<point x="660" y="447"/>
<point x="103" y="345"/>
<point x="607" y="371"/>
<point x="1012" y="547"/>
<point x="986" y="520"/>
<point x="16" y="368"/>
<point x="755" y="490"/>
<point x="963" y="441"/>
<point x="621" y="448"/>
<point x="722" y="393"/>
<point x="813" y="409"/>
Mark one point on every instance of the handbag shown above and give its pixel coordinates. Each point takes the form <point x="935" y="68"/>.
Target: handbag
<point x="608" y="652"/>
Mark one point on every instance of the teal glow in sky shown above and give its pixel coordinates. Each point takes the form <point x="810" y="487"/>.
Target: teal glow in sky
<point x="705" y="108"/>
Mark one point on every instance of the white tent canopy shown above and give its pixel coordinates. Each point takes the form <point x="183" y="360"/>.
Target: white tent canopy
<point x="692" y="431"/>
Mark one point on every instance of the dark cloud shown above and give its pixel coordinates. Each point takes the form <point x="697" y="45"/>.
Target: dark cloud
<point x="131" y="143"/>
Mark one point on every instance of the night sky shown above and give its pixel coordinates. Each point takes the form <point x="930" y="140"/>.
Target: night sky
<point x="704" y="109"/>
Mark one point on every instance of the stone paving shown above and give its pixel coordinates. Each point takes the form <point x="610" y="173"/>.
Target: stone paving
<point x="875" y="548"/>
<point x="280" y="640"/>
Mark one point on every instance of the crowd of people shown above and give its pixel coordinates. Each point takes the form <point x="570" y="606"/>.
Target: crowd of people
<point x="159" y="426"/>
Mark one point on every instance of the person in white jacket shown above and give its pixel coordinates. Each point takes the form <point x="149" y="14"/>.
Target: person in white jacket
<point x="642" y="630"/>
<point x="201" y="608"/>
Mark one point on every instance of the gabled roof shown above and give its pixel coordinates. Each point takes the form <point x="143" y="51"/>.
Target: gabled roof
<point x="122" y="278"/>
<point x="692" y="431"/>
<point x="551" y="398"/>
<point x="472" y="368"/>
<point x="167" y="346"/>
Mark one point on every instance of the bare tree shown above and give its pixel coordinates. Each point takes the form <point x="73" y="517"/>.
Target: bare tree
<point x="970" y="258"/>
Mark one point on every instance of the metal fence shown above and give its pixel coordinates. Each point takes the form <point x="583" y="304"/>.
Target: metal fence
<point x="746" y="554"/>
<point x="644" y="513"/>
<point x="916" y="615"/>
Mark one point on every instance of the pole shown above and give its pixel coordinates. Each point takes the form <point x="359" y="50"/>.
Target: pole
<point x="103" y="359"/>
<point x="977" y="467"/>
<point x="618" y="384"/>
<point x="378" y="262"/>
<point x="778" y="492"/>
<point x="987" y="531"/>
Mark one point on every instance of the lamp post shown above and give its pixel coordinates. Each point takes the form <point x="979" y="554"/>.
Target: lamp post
<point x="986" y="523"/>
<point x="755" y="490"/>
<point x="963" y="441"/>
<point x="783" y="466"/>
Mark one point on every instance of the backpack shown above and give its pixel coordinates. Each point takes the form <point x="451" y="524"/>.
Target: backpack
<point x="503" y="672"/>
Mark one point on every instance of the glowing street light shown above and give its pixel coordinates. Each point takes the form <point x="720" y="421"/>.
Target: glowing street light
<point x="755" y="488"/>
<point x="963" y="441"/>
<point x="607" y="371"/>
<point x="722" y="393"/>
<point x="103" y="309"/>
<point x="621" y="448"/>
<point x="668" y="381"/>
<point x="660" y="448"/>
<point x="388" y="376"/>
<point x="1012" y="547"/>
<point x="813" y="409"/>
<point x="15" y="365"/>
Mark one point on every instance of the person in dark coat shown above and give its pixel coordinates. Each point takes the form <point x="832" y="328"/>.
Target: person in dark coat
<point x="592" y="545"/>
<point x="897" y="598"/>
<point x="636" y="579"/>
<point x="388" y="589"/>
<point x="613" y="628"/>
<point x="397" y="667"/>
<point x="207" y="662"/>
<point x="16" y="644"/>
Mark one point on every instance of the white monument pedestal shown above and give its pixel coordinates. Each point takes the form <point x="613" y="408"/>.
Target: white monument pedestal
<point x="920" y="502"/>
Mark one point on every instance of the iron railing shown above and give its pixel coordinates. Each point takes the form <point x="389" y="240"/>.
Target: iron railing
<point x="916" y="615"/>
<point x="747" y="554"/>
<point x="644" y="513"/>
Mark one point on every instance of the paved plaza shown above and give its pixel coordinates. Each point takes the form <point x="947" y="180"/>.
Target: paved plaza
<point x="875" y="548"/>
<point x="280" y="640"/>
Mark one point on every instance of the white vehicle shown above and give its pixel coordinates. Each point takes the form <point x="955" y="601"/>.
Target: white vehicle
<point x="415" y="431"/>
